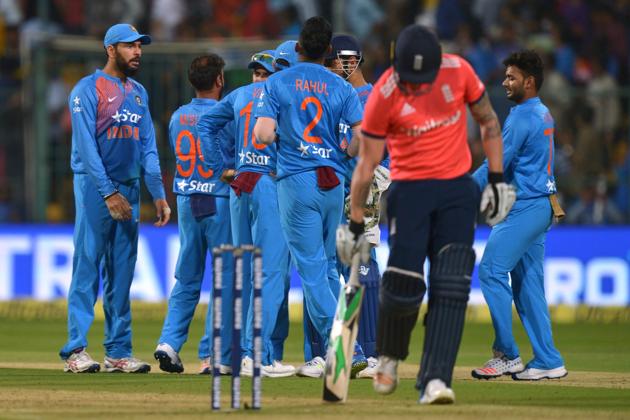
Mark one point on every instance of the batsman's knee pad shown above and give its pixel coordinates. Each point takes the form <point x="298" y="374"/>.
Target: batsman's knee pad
<point x="400" y="298"/>
<point x="401" y="292"/>
<point x="448" y="295"/>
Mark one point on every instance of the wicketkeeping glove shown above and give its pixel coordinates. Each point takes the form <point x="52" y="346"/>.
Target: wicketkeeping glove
<point x="497" y="198"/>
<point x="350" y="240"/>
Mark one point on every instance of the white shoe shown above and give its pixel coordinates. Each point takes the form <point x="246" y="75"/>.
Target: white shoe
<point x="126" y="365"/>
<point x="533" y="374"/>
<point x="278" y="370"/>
<point x="168" y="358"/>
<point x="436" y="392"/>
<point x="314" y="368"/>
<point x="206" y="367"/>
<point x="275" y="370"/>
<point x="81" y="362"/>
<point x="499" y="365"/>
<point x="386" y="378"/>
<point x="370" y="370"/>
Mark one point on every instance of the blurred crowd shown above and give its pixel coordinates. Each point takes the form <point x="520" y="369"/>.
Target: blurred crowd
<point x="584" y="44"/>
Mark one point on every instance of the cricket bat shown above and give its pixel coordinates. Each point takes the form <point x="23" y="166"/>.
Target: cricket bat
<point x="342" y="337"/>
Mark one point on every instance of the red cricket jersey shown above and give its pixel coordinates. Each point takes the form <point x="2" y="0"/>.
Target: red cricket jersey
<point x="426" y="135"/>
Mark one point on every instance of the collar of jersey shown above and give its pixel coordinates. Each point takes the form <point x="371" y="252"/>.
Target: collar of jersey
<point x="101" y="73"/>
<point x="364" y="87"/>
<point x="531" y="101"/>
<point x="203" y="101"/>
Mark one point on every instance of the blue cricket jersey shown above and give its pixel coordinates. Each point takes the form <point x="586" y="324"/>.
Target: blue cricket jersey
<point x="197" y="172"/>
<point x="249" y="154"/>
<point x="113" y="139"/>
<point x="308" y="102"/>
<point x="528" y="151"/>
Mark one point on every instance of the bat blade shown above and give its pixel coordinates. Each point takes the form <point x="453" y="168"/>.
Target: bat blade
<point x="342" y="337"/>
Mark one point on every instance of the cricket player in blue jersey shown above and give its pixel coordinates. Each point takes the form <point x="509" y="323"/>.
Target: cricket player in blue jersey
<point x="113" y="142"/>
<point x="516" y="246"/>
<point x="203" y="218"/>
<point x="254" y="207"/>
<point x="305" y="104"/>
<point x="345" y="60"/>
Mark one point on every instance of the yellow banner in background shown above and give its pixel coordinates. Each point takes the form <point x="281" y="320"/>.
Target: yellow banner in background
<point x="143" y="311"/>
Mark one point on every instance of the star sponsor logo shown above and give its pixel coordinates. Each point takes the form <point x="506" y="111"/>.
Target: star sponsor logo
<point x="251" y="158"/>
<point x="77" y="105"/>
<point x="196" y="186"/>
<point x="303" y="148"/>
<point x="312" y="150"/>
<point x="126" y="115"/>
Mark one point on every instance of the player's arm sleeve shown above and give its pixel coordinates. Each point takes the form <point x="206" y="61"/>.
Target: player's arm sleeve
<point x="376" y="114"/>
<point x="83" y="117"/>
<point x="267" y="104"/>
<point x="150" y="159"/>
<point x="227" y="145"/>
<point x="352" y="110"/>
<point x="210" y="125"/>
<point x="514" y="135"/>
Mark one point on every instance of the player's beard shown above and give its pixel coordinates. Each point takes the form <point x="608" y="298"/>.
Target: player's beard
<point x="125" y="66"/>
<point x="516" y="95"/>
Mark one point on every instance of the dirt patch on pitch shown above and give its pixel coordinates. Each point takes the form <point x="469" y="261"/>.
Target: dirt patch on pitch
<point x="575" y="378"/>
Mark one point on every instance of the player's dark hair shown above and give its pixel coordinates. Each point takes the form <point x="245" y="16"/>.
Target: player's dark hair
<point x="315" y="37"/>
<point x="530" y="63"/>
<point x="205" y="70"/>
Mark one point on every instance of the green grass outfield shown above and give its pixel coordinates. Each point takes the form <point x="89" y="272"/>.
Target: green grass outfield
<point x="32" y="384"/>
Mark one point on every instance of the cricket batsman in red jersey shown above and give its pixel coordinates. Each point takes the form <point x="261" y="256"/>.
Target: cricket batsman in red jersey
<point x="418" y="110"/>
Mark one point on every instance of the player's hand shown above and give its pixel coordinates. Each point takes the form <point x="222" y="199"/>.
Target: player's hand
<point x="351" y="240"/>
<point x="119" y="207"/>
<point x="163" y="212"/>
<point x="228" y="176"/>
<point x="497" y="199"/>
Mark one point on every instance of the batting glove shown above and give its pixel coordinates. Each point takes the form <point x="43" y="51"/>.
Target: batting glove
<point x="350" y="240"/>
<point x="497" y="198"/>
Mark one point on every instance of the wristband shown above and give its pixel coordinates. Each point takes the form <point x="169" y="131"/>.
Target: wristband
<point x="109" y="195"/>
<point x="356" y="228"/>
<point x="495" y="177"/>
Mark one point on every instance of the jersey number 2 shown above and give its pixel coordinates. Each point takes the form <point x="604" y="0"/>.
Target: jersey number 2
<point x="306" y="134"/>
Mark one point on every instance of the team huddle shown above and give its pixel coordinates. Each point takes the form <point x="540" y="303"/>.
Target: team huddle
<point x="295" y="163"/>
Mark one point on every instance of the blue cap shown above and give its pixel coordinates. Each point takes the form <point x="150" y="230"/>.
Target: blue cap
<point x="286" y="56"/>
<point x="264" y="59"/>
<point x="124" y="32"/>
<point x="418" y="55"/>
<point x="344" y="45"/>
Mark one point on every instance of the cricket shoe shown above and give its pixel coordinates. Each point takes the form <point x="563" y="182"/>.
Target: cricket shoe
<point x="314" y="368"/>
<point x="498" y="366"/>
<point x="386" y="379"/>
<point x="370" y="370"/>
<point x="359" y="363"/>
<point x="436" y="392"/>
<point x="274" y="370"/>
<point x="206" y="367"/>
<point x="168" y="358"/>
<point x="126" y="365"/>
<point x="81" y="362"/>
<point x="533" y="374"/>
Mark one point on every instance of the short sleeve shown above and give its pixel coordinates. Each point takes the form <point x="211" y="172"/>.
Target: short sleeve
<point x="267" y="104"/>
<point x="378" y="107"/>
<point x="352" y="110"/>
<point x="473" y="86"/>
